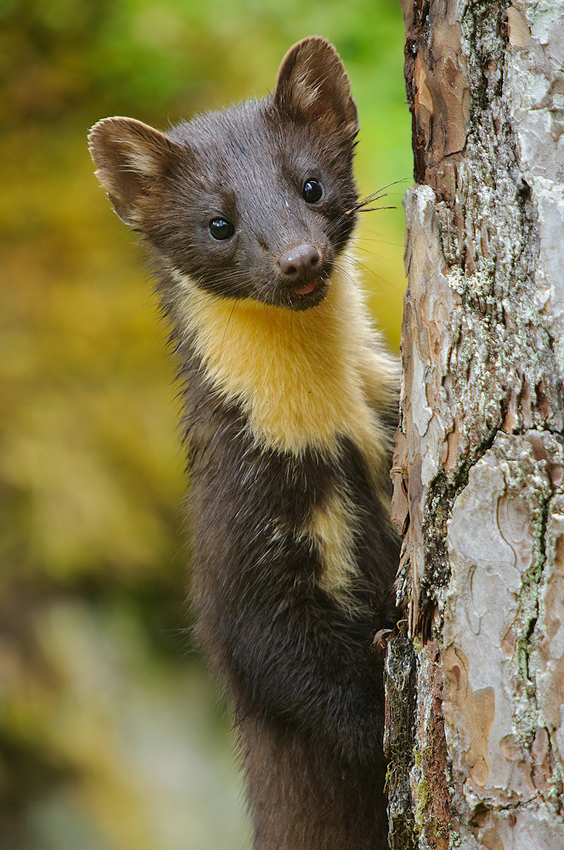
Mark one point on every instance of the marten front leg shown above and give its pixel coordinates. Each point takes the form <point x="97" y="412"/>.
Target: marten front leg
<point x="305" y="663"/>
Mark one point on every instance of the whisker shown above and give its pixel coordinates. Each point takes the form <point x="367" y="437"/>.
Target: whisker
<point x="236" y="302"/>
<point x="361" y="206"/>
<point x="376" y="240"/>
<point x="369" y="209"/>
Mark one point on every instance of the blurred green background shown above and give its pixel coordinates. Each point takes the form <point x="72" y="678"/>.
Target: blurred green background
<point x="111" y="736"/>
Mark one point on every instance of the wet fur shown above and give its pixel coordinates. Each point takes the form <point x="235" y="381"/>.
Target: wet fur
<point x="290" y="405"/>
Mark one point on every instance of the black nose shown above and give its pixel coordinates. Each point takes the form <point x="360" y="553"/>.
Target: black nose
<point x="300" y="263"/>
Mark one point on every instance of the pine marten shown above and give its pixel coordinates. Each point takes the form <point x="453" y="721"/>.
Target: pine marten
<point x="290" y="403"/>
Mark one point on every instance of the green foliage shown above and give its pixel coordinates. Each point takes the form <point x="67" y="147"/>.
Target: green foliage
<point x="96" y="695"/>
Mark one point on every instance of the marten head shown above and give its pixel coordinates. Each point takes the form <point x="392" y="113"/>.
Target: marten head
<point x="255" y="201"/>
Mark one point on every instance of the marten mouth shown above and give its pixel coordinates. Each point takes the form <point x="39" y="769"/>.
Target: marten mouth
<point x="301" y="296"/>
<point x="307" y="288"/>
<point x="309" y="294"/>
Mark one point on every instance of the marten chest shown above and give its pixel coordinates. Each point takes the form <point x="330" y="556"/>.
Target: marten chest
<point x="286" y="451"/>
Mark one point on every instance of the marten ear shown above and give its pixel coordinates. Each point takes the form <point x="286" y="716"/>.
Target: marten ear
<point x="130" y="158"/>
<point x="313" y="85"/>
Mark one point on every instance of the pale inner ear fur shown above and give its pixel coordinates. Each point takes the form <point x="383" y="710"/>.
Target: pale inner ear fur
<point x="313" y="83"/>
<point x="130" y="157"/>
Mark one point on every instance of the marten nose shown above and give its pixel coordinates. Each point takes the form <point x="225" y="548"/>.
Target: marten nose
<point x="300" y="263"/>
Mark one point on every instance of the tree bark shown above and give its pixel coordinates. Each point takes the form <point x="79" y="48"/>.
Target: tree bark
<point x="475" y="728"/>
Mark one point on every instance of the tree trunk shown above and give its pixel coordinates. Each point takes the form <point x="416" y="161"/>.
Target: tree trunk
<point x="475" y="727"/>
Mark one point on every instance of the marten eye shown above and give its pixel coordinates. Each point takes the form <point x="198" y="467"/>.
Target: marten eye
<point x="312" y="191"/>
<point x="221" y="229"/>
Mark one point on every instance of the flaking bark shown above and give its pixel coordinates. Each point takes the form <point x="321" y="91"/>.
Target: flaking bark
<point x="478" y="467"/>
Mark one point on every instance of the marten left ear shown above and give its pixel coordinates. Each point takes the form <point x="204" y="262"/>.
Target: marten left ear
<point x="313" y="85"/>
<point x="131" y="160"/>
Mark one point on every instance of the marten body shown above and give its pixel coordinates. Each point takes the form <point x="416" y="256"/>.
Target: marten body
<point x="289" y="411"/>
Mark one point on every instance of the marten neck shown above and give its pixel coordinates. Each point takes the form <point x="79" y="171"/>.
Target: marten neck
<point x="298" y="376"/>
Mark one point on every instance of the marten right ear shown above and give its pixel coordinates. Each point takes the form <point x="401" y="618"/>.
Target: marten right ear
<point x="130" y="158"/>
<point x="313" y="86"/>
